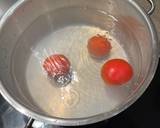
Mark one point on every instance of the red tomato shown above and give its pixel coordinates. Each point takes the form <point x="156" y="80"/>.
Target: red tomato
<point x="56" y="65"/>
<point x="98" y="46"/>
<point x="116" y="71"/>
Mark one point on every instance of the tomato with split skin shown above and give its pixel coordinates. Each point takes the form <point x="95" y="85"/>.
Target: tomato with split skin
<point x="56" y="65"/>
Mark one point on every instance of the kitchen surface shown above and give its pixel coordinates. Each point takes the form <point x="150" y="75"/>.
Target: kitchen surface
<point x="144" y="113"/>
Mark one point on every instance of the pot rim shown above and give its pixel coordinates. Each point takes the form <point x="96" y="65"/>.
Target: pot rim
<point x="96" y="118"/>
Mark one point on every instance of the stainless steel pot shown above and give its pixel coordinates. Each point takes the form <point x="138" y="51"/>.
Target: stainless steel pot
<point x="131" y="21"/>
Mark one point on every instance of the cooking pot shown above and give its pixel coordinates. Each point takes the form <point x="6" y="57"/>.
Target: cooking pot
<point x="29" y="21"/>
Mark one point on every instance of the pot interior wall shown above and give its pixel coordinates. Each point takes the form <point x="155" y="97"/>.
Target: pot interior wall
<point x="35" y="20"/>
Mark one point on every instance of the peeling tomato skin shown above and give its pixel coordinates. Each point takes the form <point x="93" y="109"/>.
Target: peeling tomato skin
<point x="56" y="64"/>
<point x="98" y="46"/>
<point x="116" y="72"/>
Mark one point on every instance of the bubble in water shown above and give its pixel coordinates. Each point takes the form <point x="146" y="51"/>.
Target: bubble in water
<point x="61" y="80"/>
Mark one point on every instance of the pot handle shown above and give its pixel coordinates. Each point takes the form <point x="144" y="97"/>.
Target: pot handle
<point x="29" y="123"/>
<point x="32" y="123"/>
<point x="152" y="7"/>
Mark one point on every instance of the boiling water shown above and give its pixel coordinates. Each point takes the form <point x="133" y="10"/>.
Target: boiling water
<point x="87" y="94"/>
<point x="67" y="32"/>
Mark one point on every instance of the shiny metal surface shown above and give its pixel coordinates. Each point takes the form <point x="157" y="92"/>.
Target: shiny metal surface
<point x="21" y="102"/>
<point x="155" y="16"/>
<point x="4" y="5"/>
<point x="151" y="10"/>
<point x="9" y="117"/>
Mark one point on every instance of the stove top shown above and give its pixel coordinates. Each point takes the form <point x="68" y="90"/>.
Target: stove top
<point x="9" y="117"/>
<point x="144" y="113"/>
